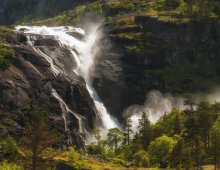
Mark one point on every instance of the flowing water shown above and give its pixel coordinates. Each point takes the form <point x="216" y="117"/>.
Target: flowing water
<point x="83" y="52"/>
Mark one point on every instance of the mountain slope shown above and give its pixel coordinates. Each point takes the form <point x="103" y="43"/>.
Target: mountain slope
<point x="13" y="10"/>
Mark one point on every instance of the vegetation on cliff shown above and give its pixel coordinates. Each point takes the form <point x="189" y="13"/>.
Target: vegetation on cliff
<point x="5" y="52"/>
<point x="164" y="58"/>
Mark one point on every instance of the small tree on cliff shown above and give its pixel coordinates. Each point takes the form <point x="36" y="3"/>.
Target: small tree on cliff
<point x="38" y="138"/>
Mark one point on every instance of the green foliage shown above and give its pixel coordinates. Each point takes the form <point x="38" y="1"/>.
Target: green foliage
<point x="172" y="4"/>
<point x="114" y="138"/>
<point x="93" y="149"/>
<point x="97" y="135"/>
<point x="9" y="166"/>
<point x="128" y="131"/>
<point x="141" y="159"/>
<point x="5" y="31"/>
<point x="98" y="149"/>
<point x="37" y="138"/>
<point x="160" y="150"/>
<point x="5" y="55"/>
<point x="215" y="140"/>
<point x="74" y="157"/>
<point x="169" y="124"/>
<point x="8" y="149"/>
<point x="129" y="6"/>
<point x="180" y="139"/>
<point x="145" y="131"/>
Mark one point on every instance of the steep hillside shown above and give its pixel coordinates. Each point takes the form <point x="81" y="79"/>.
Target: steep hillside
<point x="13" y="10"/>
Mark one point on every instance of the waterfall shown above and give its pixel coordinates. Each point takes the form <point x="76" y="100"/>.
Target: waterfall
<point x="83" y="52"/>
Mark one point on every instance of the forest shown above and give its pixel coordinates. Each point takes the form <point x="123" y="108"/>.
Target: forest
<point x="179" y="139"/>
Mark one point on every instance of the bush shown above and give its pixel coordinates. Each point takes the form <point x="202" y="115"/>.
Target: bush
<point x="8" y="149"/>
<point x="93" y="149"/>
<point x="129" y="7"/>
<point x="75" y="158"/>
<point x="5" y="55"/>
<point x="141" y="159"/>
<point x="99" y="149"/>
<point x="160" y="150"/>
<point x="172" y="4"/>
<point x="10" y="166"/>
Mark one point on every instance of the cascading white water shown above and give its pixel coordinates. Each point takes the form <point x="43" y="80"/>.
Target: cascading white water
<point x="85" y="56"/>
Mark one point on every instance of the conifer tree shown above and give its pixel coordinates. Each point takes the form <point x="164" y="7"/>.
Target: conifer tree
<point x="38" y="137"/>
<point x="128" y="131"/>
<point x="145" y="132"/>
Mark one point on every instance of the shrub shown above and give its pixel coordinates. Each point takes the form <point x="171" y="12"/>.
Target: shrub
<point x="100" y="149"/>
<point x="160" y="150"/>
<point x="5" y="55"/>
<point x="75" y="158"/>
<point x="129" y="6"/>
<point x="172" y="4"/>
<point x="141" y="159"/>
<point x="10" y="166"/>
<point x="93" y="149"/>
<point x="8" y="149"/>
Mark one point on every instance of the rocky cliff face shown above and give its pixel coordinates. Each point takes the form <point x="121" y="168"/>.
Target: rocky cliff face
<point x="12" y="10"/>
<point x="175" y="58"/>
<point x="30" y="79"/>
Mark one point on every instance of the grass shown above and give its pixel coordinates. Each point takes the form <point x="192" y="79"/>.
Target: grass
<point x="99" y="163"/>
<point x="130" y="35"/>
<point x="6" y="30"/>
<point x="88" y="162"/>
<point x="208" y="167"/>
<point x="121" y="12"/>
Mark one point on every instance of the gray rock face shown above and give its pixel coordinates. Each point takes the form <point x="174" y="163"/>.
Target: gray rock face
<point x="169" y="57"/>
<point x="30" y="79"/>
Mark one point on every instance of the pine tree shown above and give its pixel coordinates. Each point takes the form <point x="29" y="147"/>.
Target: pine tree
<point x="145" y="132"/>
<point x="205" y="121"/>
<point x="215" y="140"/>
<point x="189" y="101"/>
<point x="38" y="137"/>
<point x="177" y="126"/>
<point x="128" y="131"/>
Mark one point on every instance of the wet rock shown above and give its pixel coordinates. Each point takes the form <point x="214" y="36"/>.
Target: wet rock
<point x="30" y="79"/>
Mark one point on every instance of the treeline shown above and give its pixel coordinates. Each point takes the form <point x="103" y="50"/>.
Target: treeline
<point x="194" y="7"/>
<point x="181" y="139"/>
